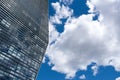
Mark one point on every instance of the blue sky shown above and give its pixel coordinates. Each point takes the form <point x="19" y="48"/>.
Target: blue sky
<point x="83" y="44"/>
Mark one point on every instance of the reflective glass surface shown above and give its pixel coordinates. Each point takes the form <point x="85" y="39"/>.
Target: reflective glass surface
<point x="23" y="38"/>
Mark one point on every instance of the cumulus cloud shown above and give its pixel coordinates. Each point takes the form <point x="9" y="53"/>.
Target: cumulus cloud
<point x="82" y="77"/>
<point x="53" y="34"/>
<point x="95" y="69"/>
<point x="117" y="78"/>
<point x="43" y="61"/>
<point x="62" y="11"/>
<point x="67" y="2"/>
<point x="85" y="41"/>
<point x="109" y="10"/>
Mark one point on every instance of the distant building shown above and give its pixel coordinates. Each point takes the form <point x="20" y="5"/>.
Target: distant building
<point x="23" y="38"/>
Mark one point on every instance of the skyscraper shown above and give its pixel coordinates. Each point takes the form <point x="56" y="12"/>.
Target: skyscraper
<point x="23" y="38"/>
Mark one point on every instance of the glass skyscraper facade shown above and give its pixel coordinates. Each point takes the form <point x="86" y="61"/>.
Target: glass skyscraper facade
<point x="23" y="38"/>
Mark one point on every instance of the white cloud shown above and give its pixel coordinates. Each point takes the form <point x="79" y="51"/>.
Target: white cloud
<point x="82" y="77"/>
<point x="53" y="34"/>
<point x="95" y="69"/>
<point x="67" y="2"/>
<point x="117" y="78"/>
<point x="73" y="51"/>
<point x="62" y="11"/>
<point x="110" y="10"/>
<point x="43" y="61"/>
<point x="84" y="40"/>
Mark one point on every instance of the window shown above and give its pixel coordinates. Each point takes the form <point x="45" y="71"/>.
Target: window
<point x="0" y="29"/>
<point x="4" y="22"/>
